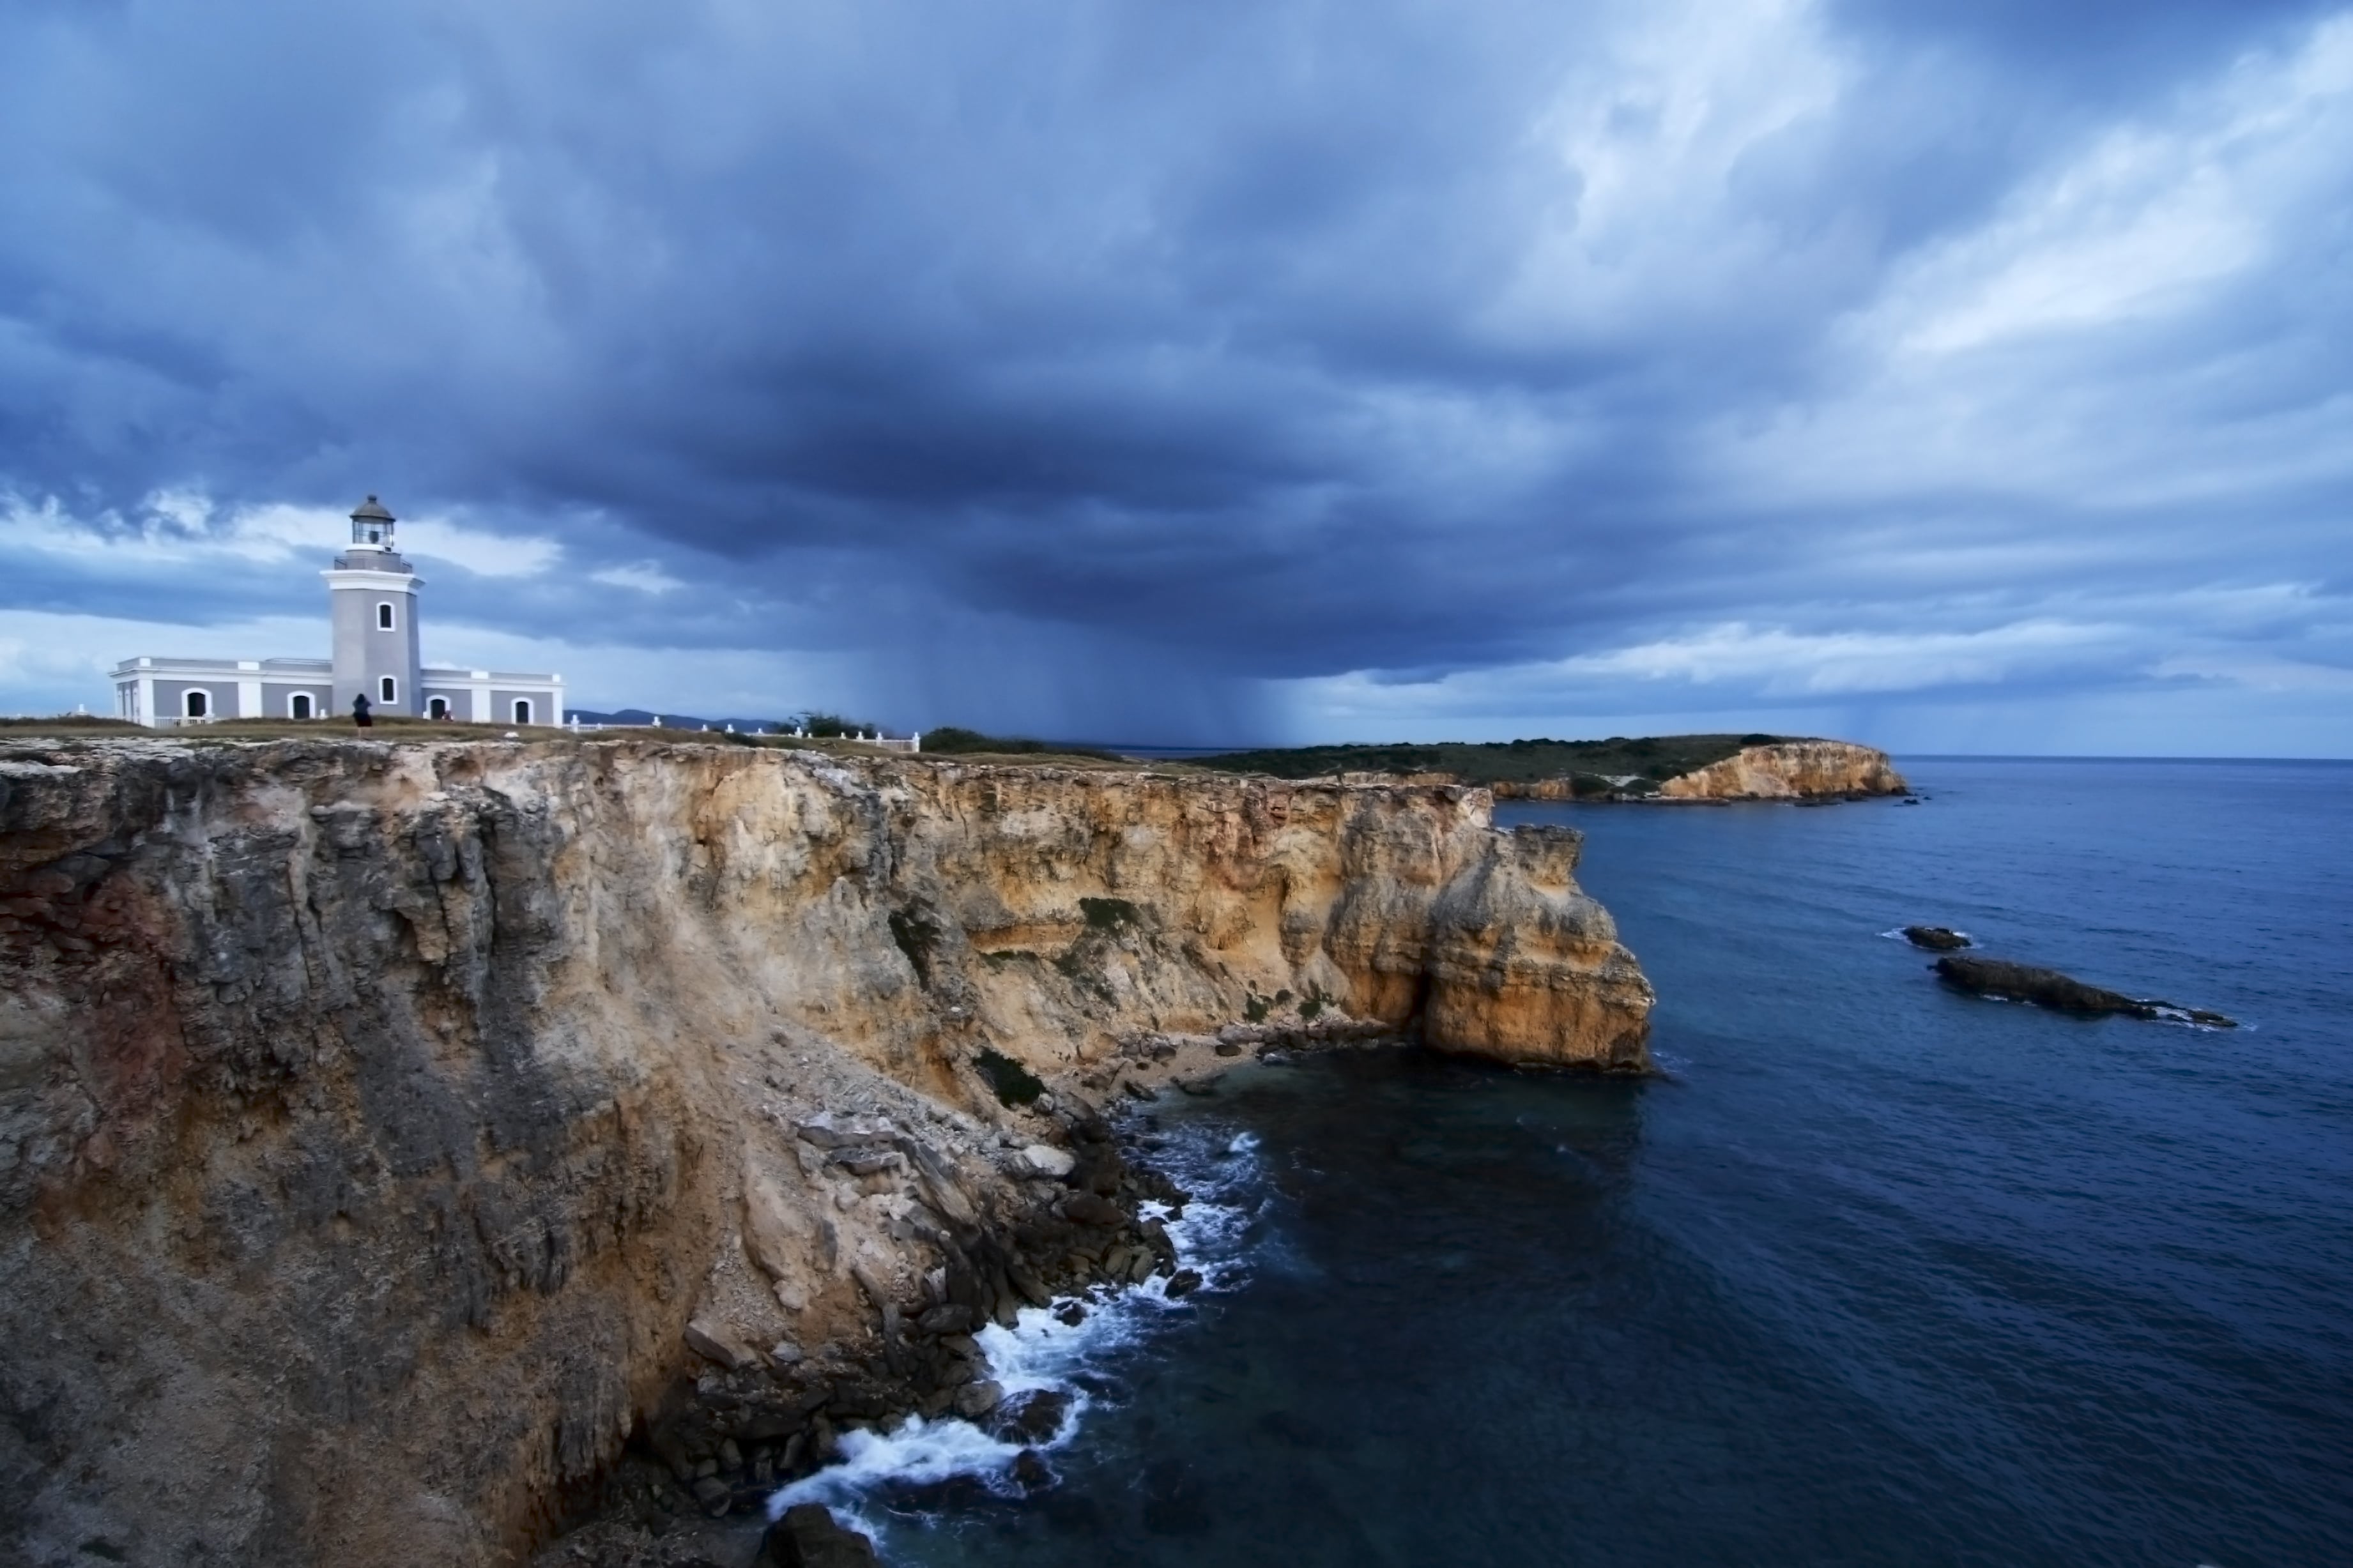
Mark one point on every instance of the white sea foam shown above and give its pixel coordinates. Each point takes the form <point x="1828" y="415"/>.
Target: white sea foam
<point x="1039" y="1352"/>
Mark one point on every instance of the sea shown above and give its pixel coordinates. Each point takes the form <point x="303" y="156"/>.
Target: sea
<point x="1871" y="1273"/>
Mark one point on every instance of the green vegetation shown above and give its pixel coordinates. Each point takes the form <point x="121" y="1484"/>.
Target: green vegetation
<point x="1013" y="1084"/>
<point x="1589" y="764"/>
<point x="949" y="741"/>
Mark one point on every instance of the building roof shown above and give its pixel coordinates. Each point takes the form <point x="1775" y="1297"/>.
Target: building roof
<point x="371" y="510"/>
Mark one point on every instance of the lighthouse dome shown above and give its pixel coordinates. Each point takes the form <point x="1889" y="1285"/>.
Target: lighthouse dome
<point x="372" y="524"/>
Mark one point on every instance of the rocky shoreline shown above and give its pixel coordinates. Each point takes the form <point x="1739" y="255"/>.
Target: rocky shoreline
<point x="692" y="1485"/>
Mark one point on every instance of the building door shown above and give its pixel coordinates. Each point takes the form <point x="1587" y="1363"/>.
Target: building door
<point x="438" y="707"/>
<point x="197" y="704"/>
<point x="301" y="706"/>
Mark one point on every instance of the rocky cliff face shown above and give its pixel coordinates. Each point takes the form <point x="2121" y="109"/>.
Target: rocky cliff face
<point x="375" y="1120"/>
<point x="1791" y="769"/>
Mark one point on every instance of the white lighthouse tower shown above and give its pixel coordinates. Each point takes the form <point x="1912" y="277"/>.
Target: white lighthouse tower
<point x="374" y="594"/>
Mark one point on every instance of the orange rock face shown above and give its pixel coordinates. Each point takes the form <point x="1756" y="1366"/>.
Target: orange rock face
<point x="1525" y="967"/>
<point x="1791" y="769"/>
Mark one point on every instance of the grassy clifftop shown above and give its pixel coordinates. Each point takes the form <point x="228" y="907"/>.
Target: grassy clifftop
<point x="1651" y="758"/>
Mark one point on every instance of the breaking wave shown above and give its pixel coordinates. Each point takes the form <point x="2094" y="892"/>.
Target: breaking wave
<point x="879" y="1472"/>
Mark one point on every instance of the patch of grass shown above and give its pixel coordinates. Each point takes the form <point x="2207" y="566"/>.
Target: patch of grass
<point x="1109" y="914"/>
<point x="73" y="723"/>
<point x="1013" y="1084"/>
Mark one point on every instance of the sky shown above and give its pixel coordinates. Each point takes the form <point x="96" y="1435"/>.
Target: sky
<point x="1955" y="375"/>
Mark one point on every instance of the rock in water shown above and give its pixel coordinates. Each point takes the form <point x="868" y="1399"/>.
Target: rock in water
<point x="1030" y="1418"/>
<point x="1936" y="938"/>
<point x="2001" y="978"/>
<point x="808" y="1537"/>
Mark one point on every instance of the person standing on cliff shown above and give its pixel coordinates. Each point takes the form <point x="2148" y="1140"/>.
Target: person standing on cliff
<point x="360" y="711"/>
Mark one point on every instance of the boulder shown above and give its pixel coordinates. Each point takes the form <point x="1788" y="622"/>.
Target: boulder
<point x="1090" y="1208"/>
<point x="1045" y="1159"/>
<point x="1031" y="1417"/>
<point x="709" y="1338"/>
<point x="1936" y="938"/>
<point x="809" y="1536"/>
<point x="827" y="1131"/>
<point x="777" y="1231"/>
<point x="974" y="1400"/>
<point x="949" y="1317"/>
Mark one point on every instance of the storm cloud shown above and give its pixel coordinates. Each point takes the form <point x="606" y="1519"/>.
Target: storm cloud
<point x="1971" y="376"/>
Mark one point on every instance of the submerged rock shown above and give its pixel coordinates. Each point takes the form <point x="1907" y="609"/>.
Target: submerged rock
<point x="1936" y="938"/>
<point x="2011" y="981"/>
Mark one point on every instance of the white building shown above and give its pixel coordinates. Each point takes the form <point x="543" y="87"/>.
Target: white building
<point x="371" y="598"/>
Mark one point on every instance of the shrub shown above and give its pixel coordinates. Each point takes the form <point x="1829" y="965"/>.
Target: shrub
<point x="951" y="739"/>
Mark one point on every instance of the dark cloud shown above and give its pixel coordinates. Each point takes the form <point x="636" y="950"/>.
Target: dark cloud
<point x="1097" y="364"/>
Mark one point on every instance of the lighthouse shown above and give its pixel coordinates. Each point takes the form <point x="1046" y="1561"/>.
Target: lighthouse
<point x="373" y="593"/>
<point x="371" y="600"/>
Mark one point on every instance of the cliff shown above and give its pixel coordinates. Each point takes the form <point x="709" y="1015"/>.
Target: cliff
<point x="1791" y="769"/>
<point x="376" y="1121"/>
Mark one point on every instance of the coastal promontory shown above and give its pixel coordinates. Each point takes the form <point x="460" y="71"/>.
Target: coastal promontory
<point x="392" y="1134"/>
<point x="1664" y="768"/>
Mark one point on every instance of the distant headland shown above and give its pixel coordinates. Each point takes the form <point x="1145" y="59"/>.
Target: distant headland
<point x="1649" y="768"/>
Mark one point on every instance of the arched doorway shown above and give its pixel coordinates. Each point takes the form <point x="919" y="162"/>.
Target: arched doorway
<point x="437" y="708"/>
<point x="300" y="707"/>
<point x="523" y="711"/>
<point x="197" y="705"/>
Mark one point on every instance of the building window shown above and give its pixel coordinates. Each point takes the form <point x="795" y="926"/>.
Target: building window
<point x="523" y="711"/>
<point x="298" y="705"/>
<point x="197" y="704"/>
<point x="384" y="617"/>
<point x="390" y="689"/>
<point x="436" y="707"/>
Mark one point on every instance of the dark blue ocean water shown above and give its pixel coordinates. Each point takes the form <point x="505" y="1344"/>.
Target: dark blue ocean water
<point x="1878" y="1274"/>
